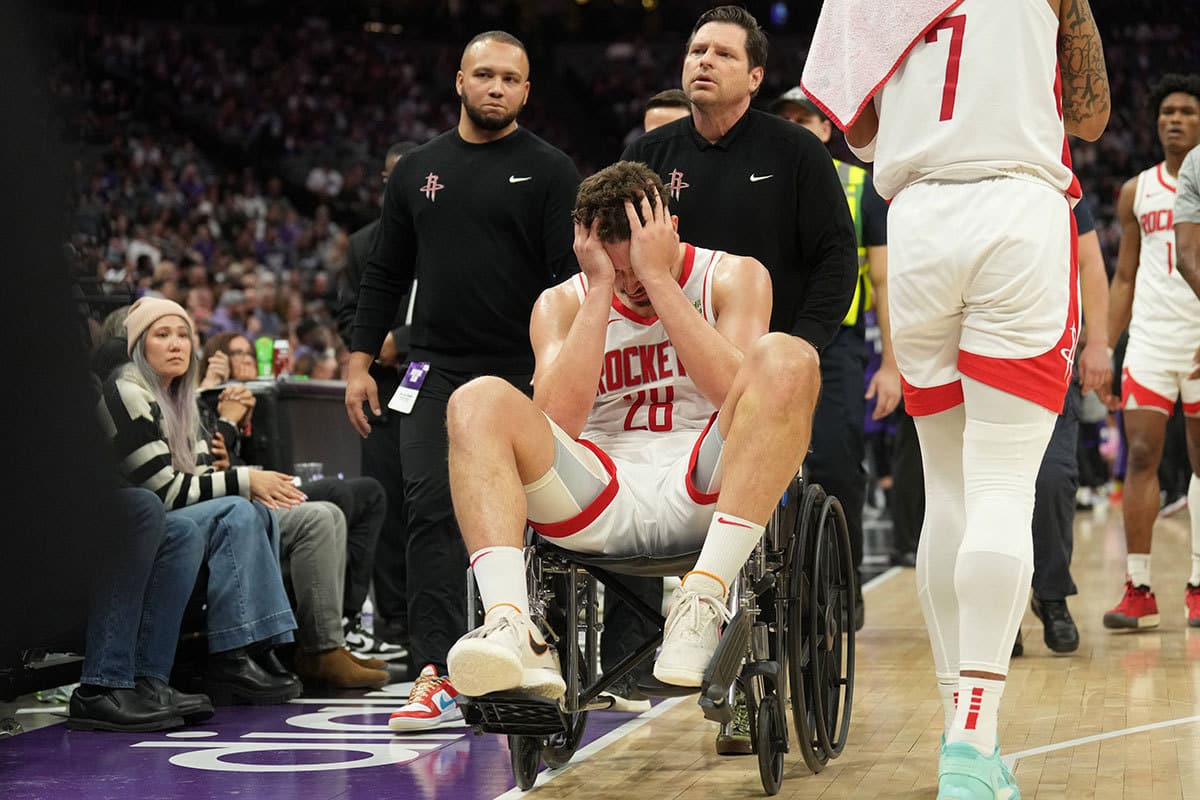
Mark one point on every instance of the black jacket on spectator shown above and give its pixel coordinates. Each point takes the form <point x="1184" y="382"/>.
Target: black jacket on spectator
<point x="766" y="189"/>
<point x="478" y="282"/>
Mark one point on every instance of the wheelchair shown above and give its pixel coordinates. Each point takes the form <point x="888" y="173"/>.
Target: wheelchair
<point x="790" y="641"/>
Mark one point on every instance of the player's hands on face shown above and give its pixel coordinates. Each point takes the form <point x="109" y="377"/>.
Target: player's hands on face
<point x="1095" y="372"/>
<point x="653" y="244"/>
<point x="593" y="259"/>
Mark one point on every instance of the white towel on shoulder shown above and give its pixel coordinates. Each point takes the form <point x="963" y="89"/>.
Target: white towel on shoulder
<point x="857" y="46"/>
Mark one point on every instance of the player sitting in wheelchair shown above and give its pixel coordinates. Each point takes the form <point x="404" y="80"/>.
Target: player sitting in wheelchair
<point x="664" y="418"/>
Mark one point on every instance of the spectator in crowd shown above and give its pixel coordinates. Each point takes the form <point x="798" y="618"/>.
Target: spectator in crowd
<point x="133" y="626"/>
<point x="381" y="450"/>
<point x="480" y="217"/>
<point x="149" y="411"/>
<point x="322" y="540"/>
<point x="747" y="181"/>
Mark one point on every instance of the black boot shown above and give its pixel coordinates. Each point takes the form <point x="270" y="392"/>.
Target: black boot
<point x="233" y="677"/>
<point x="268" y="659"/>
<point x="192" y="707"/>
<point x="1059" y="632"/>
<point x="96" y="708"/>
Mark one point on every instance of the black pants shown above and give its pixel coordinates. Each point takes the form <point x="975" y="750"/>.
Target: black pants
<point x="908" y="486"/>
<point x="1054" y="505"/>
<point x="436" y="555"/>
<point x="381" y="460"/>
<point x="838" y="440"/>
<point x="624" y="630"/>
<point x="364" y="504"/>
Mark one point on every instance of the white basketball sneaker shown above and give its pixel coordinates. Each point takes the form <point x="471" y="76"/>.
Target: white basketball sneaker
<point x="690" y="637"/>
<point x="505" y="654"/>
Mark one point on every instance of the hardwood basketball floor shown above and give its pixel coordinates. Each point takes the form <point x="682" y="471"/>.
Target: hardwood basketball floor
<point x="1113" y="683"/>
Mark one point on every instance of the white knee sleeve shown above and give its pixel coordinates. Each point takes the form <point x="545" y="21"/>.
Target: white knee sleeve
<point x="1004" y="441"/>
<point x="940" y="436"/>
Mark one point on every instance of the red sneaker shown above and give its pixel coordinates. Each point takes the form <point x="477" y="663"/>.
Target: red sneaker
<point x="430" y="704"/>
<point x="1192" y="599"/>
<point x="1137" y="609"/>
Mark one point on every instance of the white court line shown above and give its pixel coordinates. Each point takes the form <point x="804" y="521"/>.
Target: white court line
<point x="881" y="578"/>
<point x="604" y="741"/>
<point x="419" y="735"/>
<point x="43" y="710"/>
<point x="1012" y="758"/>
<point x="334" y="701"/>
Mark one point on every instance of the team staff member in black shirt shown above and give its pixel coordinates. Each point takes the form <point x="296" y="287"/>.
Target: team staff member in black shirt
<point x="481" y="217"/>
<point x="748" y="182"/>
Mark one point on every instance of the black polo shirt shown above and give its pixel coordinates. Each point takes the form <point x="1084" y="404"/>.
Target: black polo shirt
<point x="766" y="189"/>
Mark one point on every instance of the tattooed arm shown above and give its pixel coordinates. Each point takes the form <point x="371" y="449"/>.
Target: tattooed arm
<point x="1085" y="99"/>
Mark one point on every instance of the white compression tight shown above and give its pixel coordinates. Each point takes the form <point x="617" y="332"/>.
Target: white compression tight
<point x="975" y="558"/>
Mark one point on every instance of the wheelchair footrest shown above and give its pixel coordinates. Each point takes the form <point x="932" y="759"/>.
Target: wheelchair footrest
<point x="652" y="687"/>
<point x="723" y="669"/>
<point x="513" y="714"/>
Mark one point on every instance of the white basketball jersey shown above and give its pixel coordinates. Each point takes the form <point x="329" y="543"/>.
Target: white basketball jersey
<point x="977" y="96"/>
<point x="1166" y="312"/>
<point x="644" y="390"/>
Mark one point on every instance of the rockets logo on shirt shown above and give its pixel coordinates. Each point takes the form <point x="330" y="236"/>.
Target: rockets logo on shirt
<point x="676" y="184"/>
<point x="431" y="187"/>
<point x="1162" y="219"/>
<point x="639" y="365"/>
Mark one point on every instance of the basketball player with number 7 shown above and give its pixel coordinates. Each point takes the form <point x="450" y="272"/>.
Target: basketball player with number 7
<point x="984" y="302"/>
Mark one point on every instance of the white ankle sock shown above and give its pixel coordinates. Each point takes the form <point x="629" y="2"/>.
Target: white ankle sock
<point x="1138" y="567"/>
<point x="1194" y="510"/>
<point x="726" y="548"/>
<point x="948" y="691"/>
<point x="500" y="574"/>
<point x="977" y="717"/>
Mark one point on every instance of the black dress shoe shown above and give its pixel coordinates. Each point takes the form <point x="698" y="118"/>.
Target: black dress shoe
<point x="95" y="708"/>
<point x="192" y="707"/>
<point x="1059" y="632"/>
<point x="1018" y="646"/>
<point x="233" y="677"/>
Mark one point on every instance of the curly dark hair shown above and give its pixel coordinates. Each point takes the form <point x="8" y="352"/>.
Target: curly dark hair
<point x="603" y="196"/>
<point x="1170" y="84"/>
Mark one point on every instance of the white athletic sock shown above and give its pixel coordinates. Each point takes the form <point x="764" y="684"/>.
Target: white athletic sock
<point x="948" y="691"/>
<point x="1138" y="567"/>
<point x="726" y="548"/>
<point x="978" y="714"/>
<point x="1194" y="510"/>
<point x="500" y="574"/>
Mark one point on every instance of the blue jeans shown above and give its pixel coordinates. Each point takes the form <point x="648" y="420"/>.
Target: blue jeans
<point x="245" y="595"/>
<point x="133" y="622"/>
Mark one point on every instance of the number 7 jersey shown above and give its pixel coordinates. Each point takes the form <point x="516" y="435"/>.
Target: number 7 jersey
<point x="979" y="95"/>
<point x="644" y="392"/>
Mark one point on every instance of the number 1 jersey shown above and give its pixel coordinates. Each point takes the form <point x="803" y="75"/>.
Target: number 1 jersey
<point x="644" y="392"/>
<point x="978" y="95"/>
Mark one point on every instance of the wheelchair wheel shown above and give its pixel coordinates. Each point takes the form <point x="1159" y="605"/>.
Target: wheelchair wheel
<point x="771" y="743"/>
<point x="831" y="619"/>
<point x="798" y="632"/>
<point x="526" y="756"/>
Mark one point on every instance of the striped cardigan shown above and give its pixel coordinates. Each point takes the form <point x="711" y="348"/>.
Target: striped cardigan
<point x="131" y="419"/>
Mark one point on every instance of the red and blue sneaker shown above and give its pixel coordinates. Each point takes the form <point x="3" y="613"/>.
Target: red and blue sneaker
<point x="431" y="703"/>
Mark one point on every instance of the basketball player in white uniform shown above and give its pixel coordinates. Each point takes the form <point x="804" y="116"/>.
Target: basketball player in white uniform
<point x="968" y="136"/>
<point x="664" y="416"/>
<point x="1164" y="333"/>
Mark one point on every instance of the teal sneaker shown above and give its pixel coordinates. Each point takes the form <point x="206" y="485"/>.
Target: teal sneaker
<point x="966" y="774"/>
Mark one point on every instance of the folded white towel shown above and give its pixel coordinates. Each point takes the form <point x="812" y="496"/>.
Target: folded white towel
<point x="857" y="46"/>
